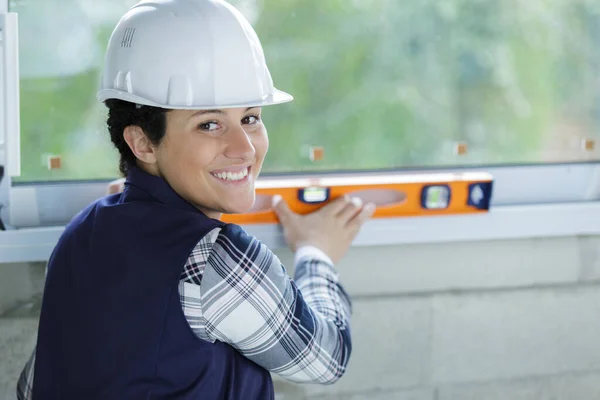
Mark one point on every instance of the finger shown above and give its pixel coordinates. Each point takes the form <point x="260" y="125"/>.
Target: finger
<point x="281" y="208"/>
<point x="351" y="210"/>
<point x="336" y="206"/>
<point x="363" y="216"/>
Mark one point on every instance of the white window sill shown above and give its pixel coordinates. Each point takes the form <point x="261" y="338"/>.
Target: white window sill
<point x="502" y="222"/>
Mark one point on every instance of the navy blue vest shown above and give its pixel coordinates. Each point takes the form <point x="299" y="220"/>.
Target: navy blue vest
<point x="112" y="326"/>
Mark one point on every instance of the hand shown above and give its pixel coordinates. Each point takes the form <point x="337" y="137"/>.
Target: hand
<point x="331" y="229"/>
<point x="116" y="186"/>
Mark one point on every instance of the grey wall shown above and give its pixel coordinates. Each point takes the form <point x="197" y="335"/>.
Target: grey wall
<point x="495" y="320"/>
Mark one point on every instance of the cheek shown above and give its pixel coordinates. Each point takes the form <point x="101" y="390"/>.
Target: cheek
<point x="261" y="144"/>
<point x="187" y="154"/>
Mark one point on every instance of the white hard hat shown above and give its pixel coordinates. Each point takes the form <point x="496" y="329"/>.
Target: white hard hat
<point x="187" y="54"/>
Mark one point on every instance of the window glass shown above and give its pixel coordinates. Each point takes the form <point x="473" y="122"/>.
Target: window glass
<point x="377" y="83"/>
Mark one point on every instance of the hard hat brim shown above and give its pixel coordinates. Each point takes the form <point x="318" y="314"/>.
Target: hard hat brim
<point x="278" y="97"/>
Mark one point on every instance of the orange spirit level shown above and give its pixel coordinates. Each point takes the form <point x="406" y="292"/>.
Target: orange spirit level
<point x="395" y="195"/>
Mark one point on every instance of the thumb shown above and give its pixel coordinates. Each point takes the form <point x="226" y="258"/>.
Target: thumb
<point x="281" y="208"/>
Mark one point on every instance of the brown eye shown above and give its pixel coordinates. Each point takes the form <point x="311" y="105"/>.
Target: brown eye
<point x="251" y="120"/>
<point x="209" y="126"/>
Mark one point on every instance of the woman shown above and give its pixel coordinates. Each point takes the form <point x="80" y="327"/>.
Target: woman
<point x="148" y="294"/>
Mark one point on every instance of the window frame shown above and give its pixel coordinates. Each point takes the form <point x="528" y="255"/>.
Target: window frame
<point x="10" y="149"/>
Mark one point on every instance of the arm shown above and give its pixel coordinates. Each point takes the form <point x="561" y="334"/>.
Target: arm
<point x="25" y="384"/>
<point x="240" y="294"/>
<point x="316" y="276"/>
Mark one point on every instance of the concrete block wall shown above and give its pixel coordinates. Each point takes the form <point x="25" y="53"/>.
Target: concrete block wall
<point x="20" y="288"/>
<point x="499" y="320"/>
<point x="18" y="282"/>
<point x="471" y="321"/>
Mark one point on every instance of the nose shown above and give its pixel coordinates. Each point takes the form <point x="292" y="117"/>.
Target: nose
<point x="239" y="145"/>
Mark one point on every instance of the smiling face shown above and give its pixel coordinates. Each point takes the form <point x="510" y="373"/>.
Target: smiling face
<point x="210" y="158"/>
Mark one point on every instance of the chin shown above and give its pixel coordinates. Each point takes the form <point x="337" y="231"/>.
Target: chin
<point x="239" y="207"/>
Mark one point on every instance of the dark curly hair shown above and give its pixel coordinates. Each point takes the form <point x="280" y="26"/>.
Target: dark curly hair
<point x="121" y="114"/>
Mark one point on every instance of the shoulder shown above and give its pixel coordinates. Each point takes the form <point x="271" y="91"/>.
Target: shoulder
<point x="225" y="249"/>
<point x="228" y="236"/>
<point x="235" y="235"/>
<point x="243" y="259"/>
<point x="83" y="220"/>
<point x="91" y="212"/>
<point x="196" y="261"/>
<point x="235" y="245"/>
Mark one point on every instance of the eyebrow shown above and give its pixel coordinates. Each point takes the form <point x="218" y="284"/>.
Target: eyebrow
<point x="202" y="112"/>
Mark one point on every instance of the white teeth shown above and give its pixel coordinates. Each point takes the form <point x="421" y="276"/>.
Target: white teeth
<point x="233" y="176"/>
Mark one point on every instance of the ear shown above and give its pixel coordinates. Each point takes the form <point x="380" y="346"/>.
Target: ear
<point x="139" y="144"/>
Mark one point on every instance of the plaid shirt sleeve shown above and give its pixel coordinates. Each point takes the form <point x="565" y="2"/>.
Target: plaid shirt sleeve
<point x="235" y="290"/>
<point x="25" y="384"/>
